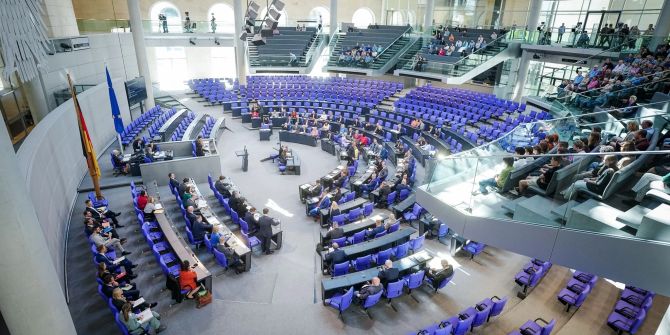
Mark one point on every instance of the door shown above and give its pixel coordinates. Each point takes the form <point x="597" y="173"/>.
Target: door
<point x="595" y="21"/>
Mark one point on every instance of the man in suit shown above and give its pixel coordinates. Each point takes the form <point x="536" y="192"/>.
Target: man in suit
<point x="237" y="204"/>
<point x="222" y="187"/>
<point x="376" y="230"/>
<point x="173" y="181"/>
<point x="251" y="221"/>
<point x="190" y="214"/>
<point x="369" y="289"/>
<point x="199" y="228"/>
<point x="335" y="257"/>
<point x="128" y="266"/>
<point x="383" y="171"/>
<point x="436" y="276"/>
<point x="388" y="274"/>
<point x="183" y="187"/>
<point x="109" y="284"/>
<point x="384" y="191"/>
<point x="99" y="239"/>
<point x="265" y="224"/>
<point x="100" y="216"/>
<point x="335" y="232"/>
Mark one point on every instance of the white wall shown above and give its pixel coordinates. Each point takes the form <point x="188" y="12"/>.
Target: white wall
<point x="53" y="164"/>
<point x="59" y="18"/>
<point x="117" y="51"/>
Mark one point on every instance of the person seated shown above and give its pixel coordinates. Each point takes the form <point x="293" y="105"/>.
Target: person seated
<point x="101" y="214"/>
<point x="142" y="200"/>
<point x="101" y="257"/>
<point x="338" y="181"/>
<point x="543" y="180"/>
<point x="403" y="185"/>
<point x="322" y="204"/>
<point x="184" y="186"/>
<point x="388" y="274"/>
<point x="335" y="256"/>
<point x="188" y="279"/>
<point x="149" y="209"/>
<point x="251" y="218"/>
<point x="138" y="145"/>
<point x="315" y="189"/>
<point x="437" y="275"/>
<point x="200" y="228"/>
<point x="136" y="325"/>
<point x="384" y="191"/>
<point x="149" y="150"/>
<point x="189" y="197"/>
<point x="100" y="238"/>
<point x="382" y="170"/>
<point x="199" y="147"/>
<point x="223" y="187"/>
<point x="124" y="168"/>
<point x="371" y="288"/>
<point x="596" y="185"/>
<point x="118" y="300"/>
<point x="174" y="183"/>
<point x="109" y="284"/>
<point x="314" y="133"/>
<point x="641" y="140"/>
<point x="335" y="231"/>
<point x="498" y="180"/>
<point x="379" y="228"/>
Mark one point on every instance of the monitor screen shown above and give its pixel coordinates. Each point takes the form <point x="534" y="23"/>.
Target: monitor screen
<point x="136" y="90"/>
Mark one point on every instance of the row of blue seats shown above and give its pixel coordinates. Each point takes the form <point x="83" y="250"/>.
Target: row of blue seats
<point x="153" y="129"/>
<point x="532" y="273"/>
<point x="631" y="310"/>
<point x="577" y="289"/>
<point x="207" y="129"/>
<point x="468" y="319"/>
<point x="377" y="259"/>
<point x="183" y="125"/>
<point x="137" y="125"/>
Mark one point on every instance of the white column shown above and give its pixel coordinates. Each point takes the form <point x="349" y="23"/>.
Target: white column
<point x="385" y="8"/>
<point x="31" y="298"/>
<point x="534" y="9"/>
<point x="662" y="28"/>
<point x="240" y="58"/>
<point x="36" y="98"/>
<point x="140" y="49"/>
<point x="428" y="17"/>
<point x="521" y="75"/>
<point x="333" y="17"/>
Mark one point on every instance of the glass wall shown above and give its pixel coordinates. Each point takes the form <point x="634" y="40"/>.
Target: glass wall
<point x="471" y="13"/>
<point x="14" y="109"/>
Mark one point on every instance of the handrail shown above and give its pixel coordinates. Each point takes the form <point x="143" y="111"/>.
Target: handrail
<point x="496" y="41"/>
<point x="310" y="51"/>
<point x="583" y="94"/>
<point x="379" y="54"/>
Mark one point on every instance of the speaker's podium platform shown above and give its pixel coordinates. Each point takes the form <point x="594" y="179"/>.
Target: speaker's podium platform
<point x="245" y="158"/>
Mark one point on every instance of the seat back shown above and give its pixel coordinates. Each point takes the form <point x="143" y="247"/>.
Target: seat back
<point x="416" y="210"/>
<point x="394" y="290"/>
<point x="372" y="300"/>
<point x="340" y="241"/>
<point x="383" y="255"/>
<point x="122" y="327"/>
<point x="244" y="226"/>
<point x="220" y="258"/>
<point x="417" y="243"/>
<point x="582" y="296"/>
<point x="340" y="269"/>
<point x="481" y="316"/>
<point x="362" y="263"/>
<point x="359" y="237"/>
<point x="380" y="234"/>
<point x="394" y="227"/>
<point x="401" y="250"/>
<point x="498" y="307"/>
<point x="235" y="217"/>
<point x="443" y="230"/>
<point x="368" y="208"/>
<point x="346" y="299"/>
<point x="415" y="279"/>
<point x="464" y="325"/>
<point x="354" y="214"/>
<point x="638" y="321"/>
<point x="208" y="243"/>
<point x="390" y="199"/>
<point x="546" y="330"/>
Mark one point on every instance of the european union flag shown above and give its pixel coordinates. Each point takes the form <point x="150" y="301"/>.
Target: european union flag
<point x="116" y="112"/>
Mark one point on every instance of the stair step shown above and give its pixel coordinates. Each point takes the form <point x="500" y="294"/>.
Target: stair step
<point x="633" y="217"/>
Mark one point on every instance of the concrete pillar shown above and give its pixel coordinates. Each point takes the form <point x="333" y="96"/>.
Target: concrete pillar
<point x="662" y="28"/>
<point x="428" y="17"/>
<point x="36" y="98"/>
<point x="59" y="18"/>
<point x="31" y="298"/>
<point x="521" y="75"/>
<point x="240" y="58"/>
<point x="333" y="17"/>
<point x="140" y="49"/>
<point x="534" y="9"/>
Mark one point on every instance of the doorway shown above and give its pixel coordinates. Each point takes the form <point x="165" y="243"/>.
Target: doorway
<point x="596" y="20"/>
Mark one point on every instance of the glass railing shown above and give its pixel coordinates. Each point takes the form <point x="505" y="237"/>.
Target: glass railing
<point x="599" y="185"/>
<point x="195" y="27"/>
<point x="376" y="61"/>
<point x="102" y="26"/>
<point x="460" y="66"/>
<point x="286" y="60"/>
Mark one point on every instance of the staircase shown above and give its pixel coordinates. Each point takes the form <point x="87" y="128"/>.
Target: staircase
<point x="306" y="61"/>
<point x="462" y="71"/>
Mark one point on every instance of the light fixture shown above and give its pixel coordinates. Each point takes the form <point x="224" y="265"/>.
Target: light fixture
<point x="278" y="4"/>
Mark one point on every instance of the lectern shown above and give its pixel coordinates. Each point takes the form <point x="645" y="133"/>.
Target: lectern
<point x="245" y="158"/>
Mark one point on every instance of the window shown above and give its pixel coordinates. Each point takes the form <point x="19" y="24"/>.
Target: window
<point x="171" y="13"/>
<point x="224" y="16"/>
<point x="172" y="67"/>
<point x="397" y="18"/>
<point x="363" y="17"/>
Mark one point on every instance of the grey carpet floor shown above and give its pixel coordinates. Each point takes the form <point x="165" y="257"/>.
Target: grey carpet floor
<point x="281" y="293"/>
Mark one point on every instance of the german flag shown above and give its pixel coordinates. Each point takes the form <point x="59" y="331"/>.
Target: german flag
<point x="86" y="144"/>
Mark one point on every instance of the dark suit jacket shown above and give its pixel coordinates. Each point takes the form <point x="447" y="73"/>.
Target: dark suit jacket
<point x="174" y="183"/>
<point x="389" y="275"/>
<point x="265" y="224"/>
<point x="249" y="219"/>
<point x="182" y="189"/>
<point x="191" y="217"/>
<point x="199" y="229"/>
<point x="107" y="290"/>
<point x="368" y="290"/>
<point x="336" y="256"/>
<point x="438" y="277"/>
<point x="101" y="258"/>
<point x="383" y="193"/>
<point x="96" y="215"/>
<point x="222" y="188"/>
<point x="376" y="231"/>
<point x="335" y="233"/>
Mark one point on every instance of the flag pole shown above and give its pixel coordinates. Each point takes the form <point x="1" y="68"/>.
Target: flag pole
<point x="118" y="137"/>
<point x="87" y="146"/>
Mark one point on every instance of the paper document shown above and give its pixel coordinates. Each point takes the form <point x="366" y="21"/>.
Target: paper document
<point x="145" y="316"/>
<point x="119" y="260"/>
<point x="138" y="302"/>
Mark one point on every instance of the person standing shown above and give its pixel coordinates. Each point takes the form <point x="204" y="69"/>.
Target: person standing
<point x="213" y="23"/>
<point x="265" y="224"/>
<point x="561" y="31"/>
<point x="187" y="23"/>
<point x="165" y="26"/>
